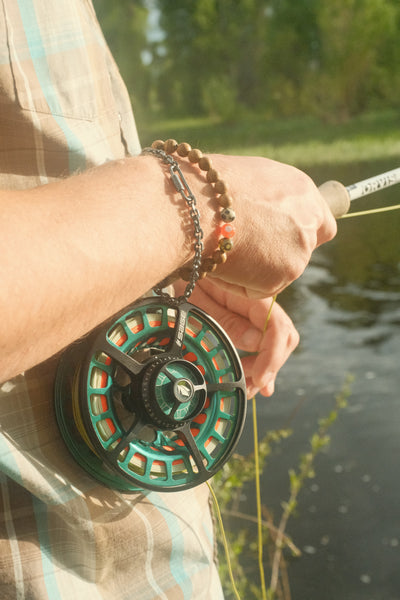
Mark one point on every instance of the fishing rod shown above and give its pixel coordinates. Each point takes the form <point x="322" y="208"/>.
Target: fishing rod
<point x="339" y="196"/>
<point x="156" y="398"/>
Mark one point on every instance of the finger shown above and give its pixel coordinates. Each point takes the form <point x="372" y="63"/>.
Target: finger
<point x="328" y="228"/>
<point x="238" y="290"/>
<point x="255" y="310"/>
<point x="277" y="346"/>
<point x="251" y="389"/>
<point x="237" y="325"/>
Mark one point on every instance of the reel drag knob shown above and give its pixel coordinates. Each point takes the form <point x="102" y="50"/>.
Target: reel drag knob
<point x="174" y="392"/>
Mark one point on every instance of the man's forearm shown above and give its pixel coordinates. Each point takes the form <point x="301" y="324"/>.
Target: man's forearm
<point x="77" y="251"/>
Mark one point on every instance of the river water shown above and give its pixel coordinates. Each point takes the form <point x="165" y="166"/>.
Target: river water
<point x="346" y="307"/>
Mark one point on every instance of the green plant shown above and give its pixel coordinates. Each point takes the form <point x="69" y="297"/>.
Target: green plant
<point x="228" y="484"/>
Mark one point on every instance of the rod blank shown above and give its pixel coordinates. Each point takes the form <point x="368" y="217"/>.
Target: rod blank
<point x="339" y="197"/>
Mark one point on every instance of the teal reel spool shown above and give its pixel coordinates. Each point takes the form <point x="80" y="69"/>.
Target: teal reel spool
<point x="154" y="400"/>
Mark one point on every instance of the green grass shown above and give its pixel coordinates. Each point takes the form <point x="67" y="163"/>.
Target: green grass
<point x="303" y="142"/>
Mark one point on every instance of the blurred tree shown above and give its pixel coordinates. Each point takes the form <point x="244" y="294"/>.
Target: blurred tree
<point x="214" y="52"/>
<point x="354" y="35"/>
<point x="124" y="23"/>
<point x="293" y="40"/>
<point x="331" y="58"/>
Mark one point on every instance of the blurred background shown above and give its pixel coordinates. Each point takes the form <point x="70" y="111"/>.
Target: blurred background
<point x="314" y="83"/>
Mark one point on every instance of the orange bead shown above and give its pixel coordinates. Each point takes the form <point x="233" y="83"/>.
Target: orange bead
<point x="158" y="145"/>
<point x="227" y="230"/>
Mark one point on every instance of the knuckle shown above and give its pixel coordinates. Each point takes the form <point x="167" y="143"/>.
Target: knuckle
<point x="296" y="265"/>
<point x="293" y="338"/>
<point x="292" y="335"/>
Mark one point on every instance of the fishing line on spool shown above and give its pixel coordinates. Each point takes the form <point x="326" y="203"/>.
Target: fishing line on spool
<point x="154" y="399"/>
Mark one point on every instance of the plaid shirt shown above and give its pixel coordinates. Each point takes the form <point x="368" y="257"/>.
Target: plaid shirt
<point x="64" y="108"/>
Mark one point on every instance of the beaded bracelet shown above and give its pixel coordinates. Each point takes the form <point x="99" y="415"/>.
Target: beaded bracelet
<point x="226" y="231"/>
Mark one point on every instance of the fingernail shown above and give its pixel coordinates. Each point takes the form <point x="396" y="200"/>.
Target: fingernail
<point x="250" y="340"/>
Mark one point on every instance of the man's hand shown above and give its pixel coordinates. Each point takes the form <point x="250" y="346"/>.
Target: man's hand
<point x="281" y="218"/>
<point x="244" y="321"/>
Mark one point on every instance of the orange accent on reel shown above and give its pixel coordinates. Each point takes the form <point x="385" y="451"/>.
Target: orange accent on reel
<point x="201" y="369"/>
<point x="155" y="323"/>
<point x="103" y="379"/>
<point x="104" y="404"/>
<point x="111" y="425"/>
<point x="137" y="328"/>
<point x="200" y="419"/>
<point x="122" y="340"/>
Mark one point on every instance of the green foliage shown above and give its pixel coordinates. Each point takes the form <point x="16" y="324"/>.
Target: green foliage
<point x="124" y="24"/>
<point x="354" y="35"/>
<point x="304" y="142"/>
<point x="240" y="469"/>
<point x="228" y="485"/>
<point x="332" y="59"/>
<point x="208" y="42"/>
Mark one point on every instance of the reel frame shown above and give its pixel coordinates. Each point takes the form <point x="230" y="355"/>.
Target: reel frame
<point x="154" y="399"/>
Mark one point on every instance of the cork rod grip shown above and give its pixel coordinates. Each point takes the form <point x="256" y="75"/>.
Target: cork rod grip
<point x="336" y="196"/>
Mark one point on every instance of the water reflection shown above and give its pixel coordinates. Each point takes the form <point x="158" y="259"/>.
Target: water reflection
<point x="347" y="309"/>
<point x="358" y="273"/>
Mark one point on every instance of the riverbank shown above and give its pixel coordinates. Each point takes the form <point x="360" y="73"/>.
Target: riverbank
<point x="303" y="142"/>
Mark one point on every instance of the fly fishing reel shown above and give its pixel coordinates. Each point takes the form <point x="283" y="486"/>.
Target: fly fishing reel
<point x="155" y="400"/>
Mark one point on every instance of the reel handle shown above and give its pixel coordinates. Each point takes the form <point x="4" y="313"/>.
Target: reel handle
<point x="336" y="196"/>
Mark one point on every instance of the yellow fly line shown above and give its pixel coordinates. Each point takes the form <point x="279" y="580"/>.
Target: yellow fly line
<point x="372" y="211"/>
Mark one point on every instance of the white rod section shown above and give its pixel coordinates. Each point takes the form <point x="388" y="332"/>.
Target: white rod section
<point x="373" y="184"/>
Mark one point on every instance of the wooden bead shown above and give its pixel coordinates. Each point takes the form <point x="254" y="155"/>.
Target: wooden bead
<point x="219" y="257"/>
<point x="205" y="163"/>
<point x="195" y="155"/>
<point x="208" y="264"/>
<point x="225" y="200"/>
<point x="185" y="273"/>
<point x="170" y="146"/>
<point x="212" y="176"/>
<point x="169" y="279"/>
<point x="220" y="186"/>
<point x="183" y="149"/>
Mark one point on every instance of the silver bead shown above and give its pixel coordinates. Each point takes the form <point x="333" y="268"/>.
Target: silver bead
<point x="228" y="215"/>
